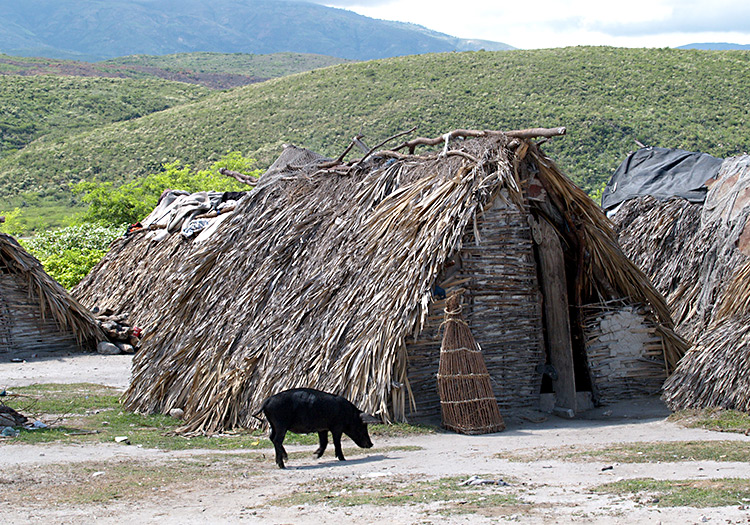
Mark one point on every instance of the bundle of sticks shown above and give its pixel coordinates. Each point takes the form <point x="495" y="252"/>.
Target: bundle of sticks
<point x="467" y="402"/>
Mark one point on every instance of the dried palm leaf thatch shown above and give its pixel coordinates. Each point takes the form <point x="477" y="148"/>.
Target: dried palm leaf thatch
<point x="604" y="270"/>
<point x="467" y="403"/>
<point x="702" y="265"/>
<point x="715" y="373"/>
<point x="736" y="297"/>
<point x="323" y="277"/>
<point x="31" y="297"/>
<point x="688" y="260"/>
<point x="690" y="251"/>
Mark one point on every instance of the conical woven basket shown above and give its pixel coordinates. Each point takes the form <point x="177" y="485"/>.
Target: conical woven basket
<point x="467" y="402"/>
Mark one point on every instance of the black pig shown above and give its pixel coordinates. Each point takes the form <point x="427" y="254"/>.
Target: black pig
<point x="304" y="410"/>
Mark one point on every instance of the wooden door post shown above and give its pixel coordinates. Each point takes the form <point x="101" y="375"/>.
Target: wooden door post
<point x="557" y="320"/>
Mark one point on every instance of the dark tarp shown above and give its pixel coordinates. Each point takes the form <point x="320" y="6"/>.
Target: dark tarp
<point x="661" y="173"/>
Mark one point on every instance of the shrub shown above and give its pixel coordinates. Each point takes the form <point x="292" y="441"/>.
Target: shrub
<point x="68" y="254"/>
<point x="134" y="200"/>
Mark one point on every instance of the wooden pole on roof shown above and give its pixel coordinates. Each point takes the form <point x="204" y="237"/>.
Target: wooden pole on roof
<point x="468" y="133"/>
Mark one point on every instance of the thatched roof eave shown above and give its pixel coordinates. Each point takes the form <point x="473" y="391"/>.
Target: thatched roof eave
<point x="53" y="299"/>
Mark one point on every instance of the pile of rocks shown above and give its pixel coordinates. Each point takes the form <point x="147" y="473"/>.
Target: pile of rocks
<point x="122" y="337"/>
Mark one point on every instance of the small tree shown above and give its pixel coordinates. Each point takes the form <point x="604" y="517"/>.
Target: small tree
<point x="68" y="254"/>
<point x="132" y="201"/>
<point x="11" y="225"/>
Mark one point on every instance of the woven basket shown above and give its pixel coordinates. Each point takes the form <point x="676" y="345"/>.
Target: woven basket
<point x="467" y="403"/>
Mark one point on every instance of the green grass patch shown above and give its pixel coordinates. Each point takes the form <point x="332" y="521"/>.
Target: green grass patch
<point x="713" y="419"/>
<point x="401" y="430"/>
<point x="76" y="398"/>
<point x="683" y="493"/>
<point x="88" y="413"/>
<point x="454" y="497"/>
<point x="641" y="452"/>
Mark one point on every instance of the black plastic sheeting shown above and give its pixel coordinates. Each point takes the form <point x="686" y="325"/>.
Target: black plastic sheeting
<point x="661" y="173"/>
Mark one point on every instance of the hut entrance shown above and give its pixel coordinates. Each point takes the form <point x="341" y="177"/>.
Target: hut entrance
<point x="565" y="373"/>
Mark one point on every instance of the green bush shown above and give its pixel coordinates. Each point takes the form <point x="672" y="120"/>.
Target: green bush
<point x="68" y="254"/>
<point x="70" y="266"/>
<point x="133" y="201"/>
<point x="12" y="225"/>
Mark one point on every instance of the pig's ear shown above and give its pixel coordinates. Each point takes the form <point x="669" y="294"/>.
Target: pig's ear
<point x="368" y="419"/>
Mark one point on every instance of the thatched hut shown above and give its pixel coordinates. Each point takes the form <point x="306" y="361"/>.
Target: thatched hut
<point x="37" y="315"/>
<point x="330" y="275"/>
<point x="697" y="254"/>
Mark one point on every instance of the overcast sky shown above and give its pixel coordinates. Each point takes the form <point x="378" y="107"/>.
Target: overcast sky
<point x="558" y="23"/>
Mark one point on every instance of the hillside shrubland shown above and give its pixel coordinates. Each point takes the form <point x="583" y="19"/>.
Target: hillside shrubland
<point x="45" y="106"/>
<point x="265" y="66"/>
<point x="606" y="97"/>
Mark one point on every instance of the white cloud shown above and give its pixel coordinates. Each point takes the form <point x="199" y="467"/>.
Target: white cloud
<point x="555" y="23"/>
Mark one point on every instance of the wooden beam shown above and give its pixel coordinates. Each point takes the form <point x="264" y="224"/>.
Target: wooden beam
<point x="557" y="320"/>
<point x="467" y="133"/>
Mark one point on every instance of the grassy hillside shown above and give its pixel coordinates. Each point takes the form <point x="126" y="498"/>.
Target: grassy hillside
<point x="212" y="70"/>
<point x="32" y="107"/>
<point x="606" y="97"/>
<point x="264" y="66"/>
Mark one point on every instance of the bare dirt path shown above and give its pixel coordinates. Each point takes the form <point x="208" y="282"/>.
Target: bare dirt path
<point x="246" y="487"/>
<point x="109" y="370"/>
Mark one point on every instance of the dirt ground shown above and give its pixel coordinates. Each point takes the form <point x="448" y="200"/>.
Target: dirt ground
<point x="545" y="490"/>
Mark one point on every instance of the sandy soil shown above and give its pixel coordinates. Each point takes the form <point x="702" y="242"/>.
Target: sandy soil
<point x="553" y="491"/>
<point x="109" y="370"/>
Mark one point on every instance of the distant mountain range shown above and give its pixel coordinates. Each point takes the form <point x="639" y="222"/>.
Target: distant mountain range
<point x="716" y="46"/>
<point x="95" y="30"/>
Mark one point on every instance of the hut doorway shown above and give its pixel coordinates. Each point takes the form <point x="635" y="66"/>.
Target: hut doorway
<point x="566" y="382"/>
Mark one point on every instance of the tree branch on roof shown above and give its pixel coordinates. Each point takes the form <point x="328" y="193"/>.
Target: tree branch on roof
<point x="464" y="133"/>
<point x="386" y="141"/>
<point x="338" y="166"/>
<point x="356" y="141"/>
<point x="241" y="177"/>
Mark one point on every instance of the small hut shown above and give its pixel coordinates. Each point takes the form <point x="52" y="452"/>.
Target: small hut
<point x="37" y="315"/>
<point x="697" y="253"/>
<point x="326" y="275"/>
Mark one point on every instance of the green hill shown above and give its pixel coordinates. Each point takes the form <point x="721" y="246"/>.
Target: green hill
<point x="606" y="97"/>
<point x="212" y="70"/>
<point x="259" y="66"/>
<point x="32" y="107"/>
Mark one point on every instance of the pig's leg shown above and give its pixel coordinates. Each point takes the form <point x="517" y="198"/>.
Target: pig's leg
<point x="323" y="439"/>
<point x="277" y="438"/>
<point x="337" y="444"/>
